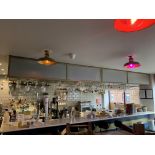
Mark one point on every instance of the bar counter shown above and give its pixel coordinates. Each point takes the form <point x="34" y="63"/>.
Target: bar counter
<point x="55" y="125"/>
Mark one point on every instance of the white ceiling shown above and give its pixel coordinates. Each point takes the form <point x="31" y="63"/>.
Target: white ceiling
<point x="95" y="42"/>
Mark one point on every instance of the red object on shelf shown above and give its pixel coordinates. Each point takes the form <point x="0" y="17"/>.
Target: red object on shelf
<point x="132" y="64"/>
<point x="131" y="25"/>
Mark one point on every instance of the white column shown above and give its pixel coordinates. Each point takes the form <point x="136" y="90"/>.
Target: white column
<point x="152" y="80"/>
<point x="106" y="99"/>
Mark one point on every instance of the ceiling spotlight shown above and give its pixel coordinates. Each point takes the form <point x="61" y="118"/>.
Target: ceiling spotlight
<point x="72" y="56"/>
<point x="2" y="69"/>
<point x="46" y="60"/>
<point x="0" y="64"/>
<point x="132" y="64"/>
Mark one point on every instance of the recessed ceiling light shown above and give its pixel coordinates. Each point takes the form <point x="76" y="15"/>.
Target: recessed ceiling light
<point x="2" y="69"/>
<point x="0" y="64"/>
<point x="72" y="56"/>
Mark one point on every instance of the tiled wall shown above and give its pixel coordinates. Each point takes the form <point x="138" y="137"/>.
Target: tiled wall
<point x="71" y="97"/>
<point x="4" y="91"/>
<point x="30" y="93"/>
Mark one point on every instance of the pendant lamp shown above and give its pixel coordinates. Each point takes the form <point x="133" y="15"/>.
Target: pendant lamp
<point x="132" y="25"/>
<point x="46" y="60"/>
<point x="131" y="64"/>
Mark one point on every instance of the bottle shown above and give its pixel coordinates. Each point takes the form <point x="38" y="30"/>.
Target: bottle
<point x="46" y="104"/>
<point x="6" y="117"/>
<point x="72" y="114"/>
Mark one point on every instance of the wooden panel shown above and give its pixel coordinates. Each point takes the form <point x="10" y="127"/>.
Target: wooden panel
<point x="117" y="76"/>
<point x="29" y="68"/>
<point x="85" y="73"/>
<point x="138" y="78"/>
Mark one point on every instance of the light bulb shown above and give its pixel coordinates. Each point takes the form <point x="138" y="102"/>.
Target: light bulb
<point x="133" y="21"/>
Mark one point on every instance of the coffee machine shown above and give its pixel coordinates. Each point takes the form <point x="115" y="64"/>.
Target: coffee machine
<point x="43" y="106"/>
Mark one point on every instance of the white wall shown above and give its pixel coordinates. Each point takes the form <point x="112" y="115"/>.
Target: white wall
<point x="4" y="91"/>
<point x="150" y="103"/>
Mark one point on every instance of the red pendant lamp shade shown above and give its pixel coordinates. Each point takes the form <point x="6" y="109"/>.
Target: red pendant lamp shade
<point x="132" y="64"/>
<point x="131" y="25"/>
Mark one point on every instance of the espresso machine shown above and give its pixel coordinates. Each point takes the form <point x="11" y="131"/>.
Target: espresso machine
<point x="43" y="107"/>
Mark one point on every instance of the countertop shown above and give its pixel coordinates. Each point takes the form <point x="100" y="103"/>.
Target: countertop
<point x="61" y="122"/>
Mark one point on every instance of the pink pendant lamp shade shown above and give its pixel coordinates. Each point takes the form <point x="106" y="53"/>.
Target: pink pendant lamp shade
<point x="132" y="64"/>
